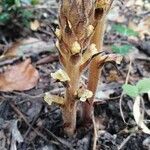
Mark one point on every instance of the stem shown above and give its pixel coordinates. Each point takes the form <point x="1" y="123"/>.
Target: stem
<point x="94" y="70"/>
<point x="69" y="109"/>
<point x="69" y="117"/>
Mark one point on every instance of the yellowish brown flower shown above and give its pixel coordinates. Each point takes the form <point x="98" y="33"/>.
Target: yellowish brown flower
<point x="60" y="75"/>
<point x="58" y="33"/>
<point x="90" y="30"/>
<point x="84" y="94"/>
<point x="76" y="48"/>
<point x="48" y="98"/>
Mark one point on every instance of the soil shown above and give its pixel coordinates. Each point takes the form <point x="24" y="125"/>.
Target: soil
<point x="41" y="126"/>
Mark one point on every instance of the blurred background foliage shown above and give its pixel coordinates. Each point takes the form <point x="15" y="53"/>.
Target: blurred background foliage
<point x="14" y="11"/>
<point x="15" y="18"/>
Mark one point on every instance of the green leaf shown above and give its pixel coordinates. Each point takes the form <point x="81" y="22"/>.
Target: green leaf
<point x="26" y="14"/>
<point x="34" y="2"/>
<point x="123" y="30"/>
<point x="143" y="85"/>
<point x="17" y="3"/>
<point x="123" y="50"/>
<point x="4" y="17"/>
<point x="8" y="2"/>
<point x="130" y="90"/>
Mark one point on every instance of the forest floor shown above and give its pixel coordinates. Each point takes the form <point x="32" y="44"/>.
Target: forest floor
<point x="29" y="123"/>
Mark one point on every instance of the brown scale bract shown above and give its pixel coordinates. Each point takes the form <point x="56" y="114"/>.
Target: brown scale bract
<point x="75" y="19"/>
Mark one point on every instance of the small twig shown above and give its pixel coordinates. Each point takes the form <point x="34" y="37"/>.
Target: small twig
<point x="5" y="95"/>
<point x="51" y="12"/>
<point x="143" y="58"/>
<point x="122" y="94"/>
<point x="95" y="136"/>
<point x="29" y="96"/>
<point x="120" y="106"/>
<point x="108" y="42"/>
<point x="63" y="142"/>
<point x="37" y="7"/>
<point x="33" y="146"/>
<point x="113" y="98"/>
<point x="25" y="120"/>
<point x="47" y="59"/>
<point x="8" y="60"/>
<point x="29" y="129"/>
<point x="96" y="102"/>
<point x="1" y="99"/>
<point x="37" y="132"/>
<point x="46" y="32"/>
<point x="125" y="141"/>
<point x="129" y="70"/>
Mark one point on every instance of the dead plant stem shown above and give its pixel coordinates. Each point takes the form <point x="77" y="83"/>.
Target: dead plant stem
<point x="94" y="70"/>
<point x="69" y="109"/>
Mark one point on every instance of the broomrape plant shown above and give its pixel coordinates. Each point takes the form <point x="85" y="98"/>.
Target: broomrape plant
<point x="79" y="42"/>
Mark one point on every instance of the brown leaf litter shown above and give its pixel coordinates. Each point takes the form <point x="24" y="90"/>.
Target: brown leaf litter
<point x="19" y="77"/>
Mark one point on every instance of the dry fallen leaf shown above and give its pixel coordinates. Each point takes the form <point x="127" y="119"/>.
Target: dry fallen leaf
<point x="113" y="76"/>
<point x="28" y="47"/>
<point x="138" y="116"/>
<point x="143" y="28"/>
<point x="16" y="135"/>
<point x="34" y="25"/>
<point x="114" y="15"/>
<point x="139" y="3"/>
<point x="19" y="77"/>
<point x="3" y="140"/>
